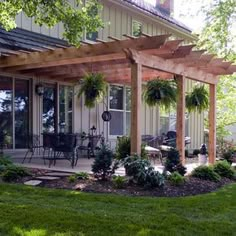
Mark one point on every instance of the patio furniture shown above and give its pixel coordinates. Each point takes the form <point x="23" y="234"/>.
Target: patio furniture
<point x="33" y="145"/>
<point x="63" y="148"/>
<point x="152" y="146"/>
<point x="89" y="147"/>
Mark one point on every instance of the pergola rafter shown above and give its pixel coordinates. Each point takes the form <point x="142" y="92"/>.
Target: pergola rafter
<point x="131" y="61"/>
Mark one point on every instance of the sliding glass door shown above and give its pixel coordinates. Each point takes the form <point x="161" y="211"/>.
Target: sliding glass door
<point x="21" y="113"/>
<point x="6" y="113"/>
<point x="14" y="112"/>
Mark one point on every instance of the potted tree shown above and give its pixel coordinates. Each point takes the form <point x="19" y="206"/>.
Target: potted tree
<point x="94" y="88"/>
<point x="197" y="100"/>
<point x="160" y="92"/>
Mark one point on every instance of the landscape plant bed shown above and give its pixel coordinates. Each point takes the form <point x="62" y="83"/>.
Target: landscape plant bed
<point x="192" y="186"/>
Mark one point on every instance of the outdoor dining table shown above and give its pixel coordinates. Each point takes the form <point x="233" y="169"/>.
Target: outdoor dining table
<point x="60" y="146"/>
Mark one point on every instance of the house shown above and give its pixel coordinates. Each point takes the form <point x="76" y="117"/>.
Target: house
<point x="24" y="111"/>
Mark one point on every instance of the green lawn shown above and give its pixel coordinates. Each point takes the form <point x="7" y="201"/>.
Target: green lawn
<point x="38" y="211"/>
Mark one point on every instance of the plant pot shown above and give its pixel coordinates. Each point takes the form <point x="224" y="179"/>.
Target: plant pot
<point x="202" y="159"/>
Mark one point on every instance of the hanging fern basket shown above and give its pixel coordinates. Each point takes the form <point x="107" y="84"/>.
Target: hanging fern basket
<point x="94" y="88"/>
<point x="197" y="100"/>
<point x="160" y="93"/>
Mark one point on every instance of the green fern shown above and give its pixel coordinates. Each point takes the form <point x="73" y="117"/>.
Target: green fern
<point x="94" y="88"/>
<point x="160" y="92"/>
<point x="197" y="100"/>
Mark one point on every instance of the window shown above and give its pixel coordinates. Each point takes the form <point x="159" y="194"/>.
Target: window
<point x="65" y="108"/>
<point x="120" y="104"/>
<point x="136" y="28"/>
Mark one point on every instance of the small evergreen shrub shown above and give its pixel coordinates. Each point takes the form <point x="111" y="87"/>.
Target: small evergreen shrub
<point x="82" y="175"/>
<point x="173" y="163"/>
<point x="118" y="181"/>
<point x="102" y="166"/>
<point x="186" y="153"/>
<point x="5" y="160"/>
<point x="206" y="173"/>
<point x="196" y="152"/>
<point x="13" y="173"/>
<point x="223" y="169"/>
<point x="123" y="148"/>
<point x="142" y="172"/>
<point x="228" y="156"/>
<point x="176" y="179"/>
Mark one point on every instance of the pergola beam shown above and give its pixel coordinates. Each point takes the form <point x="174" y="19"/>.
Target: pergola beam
<point x="161" y="64"/>
<point x="136" y="103"/>
<point x="212" y="124"/>
<point x="79" y="55"/>
<point x="180" y="118"/>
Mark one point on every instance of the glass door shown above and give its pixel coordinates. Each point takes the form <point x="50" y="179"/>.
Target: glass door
<point x="6" y="114"/>
<point x="49" y="118"/>
<point x="21" y="99"/>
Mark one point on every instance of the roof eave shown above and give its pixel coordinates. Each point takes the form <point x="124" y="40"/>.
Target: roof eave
<point x="159" y="20"/>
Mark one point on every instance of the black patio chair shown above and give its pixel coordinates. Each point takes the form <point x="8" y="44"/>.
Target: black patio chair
<point x="90" y="147"/>
<point x="33" y="145"/>
<point x="63" y="147"/>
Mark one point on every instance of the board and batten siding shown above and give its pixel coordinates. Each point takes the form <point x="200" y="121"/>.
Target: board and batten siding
<point x="118" y="21"/>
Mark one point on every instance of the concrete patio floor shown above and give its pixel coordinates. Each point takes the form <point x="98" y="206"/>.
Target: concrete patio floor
<point x="83" y="165"/>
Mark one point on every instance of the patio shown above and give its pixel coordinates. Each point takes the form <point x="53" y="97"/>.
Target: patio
<point x="132" y="61"/>
<point x="84" y="164"/>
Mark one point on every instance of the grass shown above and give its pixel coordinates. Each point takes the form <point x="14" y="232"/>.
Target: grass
<point x="26" y="211"/>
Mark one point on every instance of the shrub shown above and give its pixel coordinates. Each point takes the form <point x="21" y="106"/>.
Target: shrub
<point x="123" y="148"/>
<point x="72" y="178"/>
<point x="102" y="166"/>
<point x="176" y="179"/>
<point x="196" y="152"/>
<point x="135" y="164"/>
<point x="13" y="173"/>
<point x="118" y="181"/>
<point x="206" y="173"/>
<point x="223" y="169"/>
<point x="173" y="163"/>
<point x="186" y="153"/>
<point x="142" y="172"/>
<point x="5" y="160"/>
<point x="82" y="175"/>
<point x="228" y="156"/>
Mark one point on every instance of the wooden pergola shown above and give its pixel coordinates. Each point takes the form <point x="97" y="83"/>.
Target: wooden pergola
<point x="131" y="61"/>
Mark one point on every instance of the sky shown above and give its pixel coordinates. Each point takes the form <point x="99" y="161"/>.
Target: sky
<point x="189" y="12"/>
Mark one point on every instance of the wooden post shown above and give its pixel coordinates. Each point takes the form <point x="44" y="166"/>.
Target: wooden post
<point x="180" y="119"/>
<point x="212" y="125"/>
<point x="136" y="90"/>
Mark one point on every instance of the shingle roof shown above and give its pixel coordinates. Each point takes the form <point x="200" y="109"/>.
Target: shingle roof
<point x="159" y="12"/>
<point x="23" y="40"/>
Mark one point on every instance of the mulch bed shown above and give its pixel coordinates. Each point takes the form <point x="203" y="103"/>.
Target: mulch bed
<point x="192" y="186"/>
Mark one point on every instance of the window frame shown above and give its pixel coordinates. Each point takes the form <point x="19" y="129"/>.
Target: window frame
<point x="124" y="110"/>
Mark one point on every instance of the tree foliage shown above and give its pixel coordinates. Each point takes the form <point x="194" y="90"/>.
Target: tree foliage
<point x="219" y="37"/>
<point x="75" y="19"/>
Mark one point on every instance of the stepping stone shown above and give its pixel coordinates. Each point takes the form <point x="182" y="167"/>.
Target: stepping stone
<point x="59" y="174"/>
<point x="47" y="177"/>
<point x="33" y="182"/>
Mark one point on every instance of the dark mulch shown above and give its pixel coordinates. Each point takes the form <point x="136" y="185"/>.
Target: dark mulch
<point x="192" y="186"/>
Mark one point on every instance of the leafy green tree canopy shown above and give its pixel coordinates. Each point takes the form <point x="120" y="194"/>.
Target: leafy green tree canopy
<point x="75" y="19"/>
<point x="219" y="37"/>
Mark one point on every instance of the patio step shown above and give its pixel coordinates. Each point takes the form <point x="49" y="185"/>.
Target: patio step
<point x="33" y="182"/>
<point x="47" y="177"/>
<point x="58" y="174"/>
